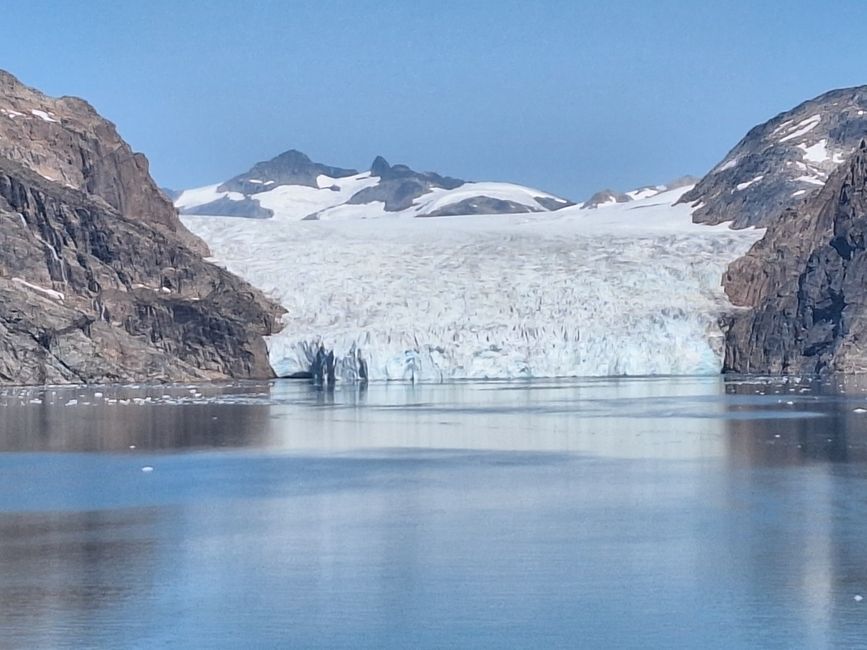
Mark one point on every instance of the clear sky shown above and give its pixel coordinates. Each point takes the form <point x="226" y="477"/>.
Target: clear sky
<point x="567" y="96"/>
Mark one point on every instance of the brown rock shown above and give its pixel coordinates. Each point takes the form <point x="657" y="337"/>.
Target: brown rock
<point x="804" y="285"/>
<point x="65" y="140"/>
<point x="99" y="281"/>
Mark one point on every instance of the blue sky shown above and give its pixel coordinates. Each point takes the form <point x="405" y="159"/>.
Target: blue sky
<point x="567" y="96"/>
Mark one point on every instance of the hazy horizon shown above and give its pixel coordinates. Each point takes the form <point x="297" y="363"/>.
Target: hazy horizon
<point x="567" y="97"/>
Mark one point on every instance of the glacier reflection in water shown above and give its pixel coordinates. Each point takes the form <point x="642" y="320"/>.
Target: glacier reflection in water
<point x="605" y="513"/>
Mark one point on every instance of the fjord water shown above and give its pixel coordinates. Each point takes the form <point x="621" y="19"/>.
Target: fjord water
<point x="656" y="512"/>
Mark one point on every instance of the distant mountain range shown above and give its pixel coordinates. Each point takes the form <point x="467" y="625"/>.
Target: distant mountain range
<point x="293" y="186"/>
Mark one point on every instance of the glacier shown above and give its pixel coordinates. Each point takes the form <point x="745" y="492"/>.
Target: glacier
<point x="624" y="289"/>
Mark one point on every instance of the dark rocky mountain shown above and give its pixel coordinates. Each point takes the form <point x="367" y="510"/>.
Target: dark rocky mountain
<point x="289" y="168"/>
<point x="782" y="162"/>
<point x="399" y="186"/>
<point x="395" y="187"/>
<point x="99" y="280"/>
<point x="804" y="284"/>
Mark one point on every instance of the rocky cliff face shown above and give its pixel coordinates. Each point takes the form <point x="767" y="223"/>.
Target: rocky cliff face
<point x="99" y="281"/>
<point x="65" y="140"/>
<point x="783" y="162"/>
<point x="805" y="285"/>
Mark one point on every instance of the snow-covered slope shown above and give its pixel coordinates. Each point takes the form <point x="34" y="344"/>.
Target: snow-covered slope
<point x="605" y="198"/>
<point x="632" y="289"/>
<point x="293" y="202"/>
<point x="291" y="186"/>
<point x="783" y="162"/>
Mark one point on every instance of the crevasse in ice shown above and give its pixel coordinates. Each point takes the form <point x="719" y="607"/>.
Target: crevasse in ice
<point x="627" y="289"/>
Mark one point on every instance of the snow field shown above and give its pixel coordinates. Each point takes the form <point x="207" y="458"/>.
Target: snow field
<point x="631" y="290"/>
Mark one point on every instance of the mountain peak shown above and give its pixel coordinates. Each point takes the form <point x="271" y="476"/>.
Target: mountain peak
<point x="291" y="167"/>
<point x="293" y="156"/>
<point x="783" y="161"/>
<point x="379" y="166"/>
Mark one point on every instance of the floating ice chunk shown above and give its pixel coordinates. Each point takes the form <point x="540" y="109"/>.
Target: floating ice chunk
<point x="859" y="410"/>
<point x="147" y="469"/>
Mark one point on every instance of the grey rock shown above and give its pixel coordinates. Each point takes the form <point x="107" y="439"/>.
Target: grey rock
<point x="552" y="204"/>
<point x="247" y="208"/>
<point x="770" y="170"/>
<point x="399" y="185"/>
<point x="603" y="197"/>
<point x="803" y="286"/>
<point x="289" y="168"/>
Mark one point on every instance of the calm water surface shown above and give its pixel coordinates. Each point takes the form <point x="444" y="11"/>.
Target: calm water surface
<point x="598" y="513"/>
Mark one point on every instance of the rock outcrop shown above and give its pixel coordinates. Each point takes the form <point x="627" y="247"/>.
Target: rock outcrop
<point x="66" y="141"/>
<point x="605" y="197"/>
<point x="289" y="168"/>
<point x="783" y="162"/>
<point x="611" y="197"/>
<point x="399" y="186"/>
<point x="99" y="280"/>
<point x="803" y="286"/>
